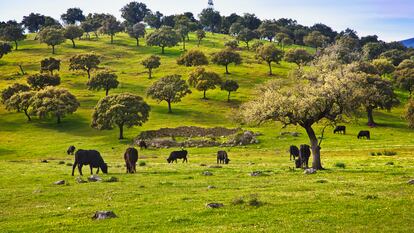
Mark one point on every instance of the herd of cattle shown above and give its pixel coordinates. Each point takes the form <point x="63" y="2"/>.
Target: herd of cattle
<point x="94" y="159"/>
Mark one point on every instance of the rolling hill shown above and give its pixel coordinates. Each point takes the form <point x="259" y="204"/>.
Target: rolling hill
<point x="408" y="42"/>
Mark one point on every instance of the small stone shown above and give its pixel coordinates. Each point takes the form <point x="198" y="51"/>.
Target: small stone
<point x="79" y="180"/>
<point x="207" y="173"/>
<point x="59" y="182"/>
<point x="211" y="187"/>
<point x="309" y="171"/>
<point x="214" y="205"/>
<point x="44" y="161"/>
<point x="99" y="215"/>
<point x="410" y="182"/>
<point x="61" y="162"/>
<point x="94" y="178"/>
<point x="256" y="173"/>
<point x="203" y="165"/>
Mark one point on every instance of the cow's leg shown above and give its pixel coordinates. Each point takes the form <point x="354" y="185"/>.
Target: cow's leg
<point x="90" y="165"/>
<point x="80" y="169"/>
<point x="73" y="168"/>
<point x="135" y="168"/>
<point x="97" y="171"/>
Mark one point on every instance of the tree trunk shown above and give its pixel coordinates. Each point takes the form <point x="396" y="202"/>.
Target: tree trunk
<point x="162" y="49"/>
<point x="73" y="43"/>
<point x="51" y="72"/>
<point x="228" y="97"/>
<point x="137" y="42"/>
<point x="58" y="119"/>
<point x="28" y="117"/>
<point x="316" y="150"/>
<point x="15" y="42"/>
<point x="199" y="41"/>
<point x="112" y="39"/>
<point x="106" y="92"/>
<point x="247" y="43"/>
<point x="370" y="115"/>
<point x="150" y="73"/>
<point x="270" y="68"/>
<point x="121" y="131"/>
<point x="53" y="49"/>
<point x="204" y="97"/>
<point x="169" y="106"/>
<point x="184" y="44"/>
<point x="227" y="69"/>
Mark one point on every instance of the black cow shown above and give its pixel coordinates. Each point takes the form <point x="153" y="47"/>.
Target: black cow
<point x="71" y="150"/>
<point x="294" y="151"/>
<point x="304" y="154"/>
<point x="340" y="129"/>
<point x="89" y="157"/>
<point x="142" y="144"/>
<point x="131" y="158"/>
<point x="175" y="155"/>
<point x="364" y="134"/>
<point x="222" y="157"/>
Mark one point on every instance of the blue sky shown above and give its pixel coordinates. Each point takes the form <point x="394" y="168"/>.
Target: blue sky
<point x="391" y="20"/>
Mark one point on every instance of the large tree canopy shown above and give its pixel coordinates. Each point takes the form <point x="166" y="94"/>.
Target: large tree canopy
<point x="49" y="64"/>
<point x="103" y="80"/>
<point x="55" y="102"/>
<point x="72" y="32"/>
<point x="225" y="57"/>
<point x="134" y="12"/>
<point x="136" y="31"/>
<point x="151" y="62"/>
<point x="111" y="26"/>
<point x="51" y="36"/>
<point x="12" y="31"/>
<point x="72" y="16"/>
<point x="327" y="95"/>
<point x="13" y="89"/>
<point x="5" y="48"/>
<point x="33" y="22"/>
<point x="192" y="58"/>
<point x="163" y="37"/>
<point x="170" y="89"/>
<point x="204" y="80"/>
<point x="269" y="53"/>
<point x="21" y="101"/>
<point x="85" y="62"/>
<point x="210" y="19"/>
<point x="42" y="80"/>
<point x="120" y="110"/>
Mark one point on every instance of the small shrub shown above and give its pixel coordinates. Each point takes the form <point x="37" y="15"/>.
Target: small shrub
<point x="321" y="181"/>
<point x="69" y="164"/>
<point x="379" y="153"/>
<point x="389" y="163"/>
<point x="373" y="154"/>
<point x="61" y="162"/>
<point x="371" y="197"/>
<point x="340" y="165"/>
<point x="389" y="153"/>
<point x="238" y="201"/>
<point x="142" y="163"/>
<point x="254" y="200"/>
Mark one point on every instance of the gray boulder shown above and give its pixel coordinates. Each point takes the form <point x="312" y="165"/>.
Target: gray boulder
<point x="59" y="182"/>
<point x="309" y="171"/>
<point x="214" y="205"/>
<point x="99" y="215"/>
<point x="94" y="178"/>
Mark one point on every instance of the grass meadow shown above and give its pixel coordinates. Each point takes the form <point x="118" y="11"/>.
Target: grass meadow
<point x="358" y="192"/>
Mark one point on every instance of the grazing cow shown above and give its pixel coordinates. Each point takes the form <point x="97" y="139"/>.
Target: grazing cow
<point x="298" y="163"/>
<point x="175" y="155"/>
<point x="131" y="158"/>
<point x="340" y="129"/>
<point x="222" y="157"/>
<point x="294" y="151"/>
<point x="142" y="144"/>
<point x="89" y="157"/>
<point x="364" y="134"/>
<point x="71" y="150"/>
<point x="304" y="154"/>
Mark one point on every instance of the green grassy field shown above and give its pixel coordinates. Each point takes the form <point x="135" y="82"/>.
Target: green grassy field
<point x="370" y="194"/>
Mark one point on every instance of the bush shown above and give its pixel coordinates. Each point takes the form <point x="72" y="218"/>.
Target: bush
<point x="340" y="165"/>
<point x="142" y="163"/>
<point x="238" y="201"/>
<point x="389" y="153"/>
<point x="389" y="163"/>
<point x="373" y="154"/>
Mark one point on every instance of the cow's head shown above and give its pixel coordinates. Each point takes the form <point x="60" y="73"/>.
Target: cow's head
<point x="104" y="168"/>
<point x="227" y="161"/>
<point x="169" y="160"/>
